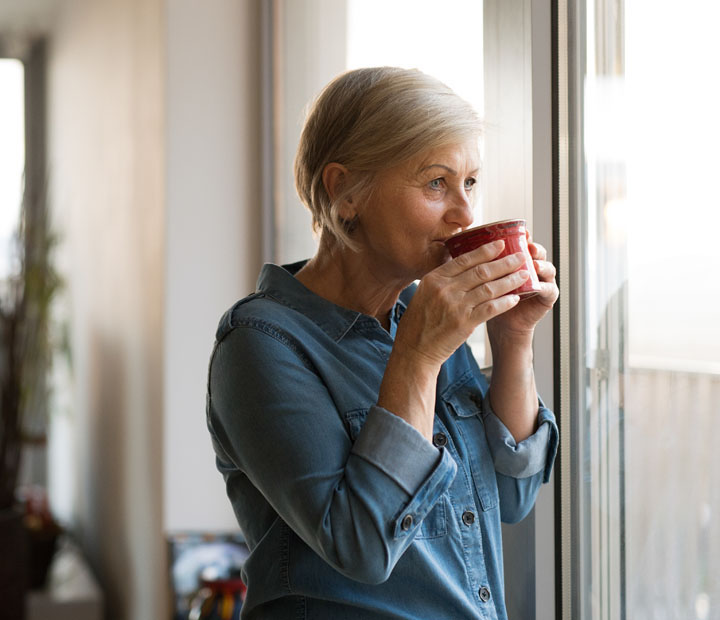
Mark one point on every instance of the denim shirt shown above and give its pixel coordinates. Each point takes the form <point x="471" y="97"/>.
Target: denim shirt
<point x="349" y="512"/>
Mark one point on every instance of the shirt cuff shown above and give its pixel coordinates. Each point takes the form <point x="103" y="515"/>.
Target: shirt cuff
<point x="529" y="457"/>
<point x="396" y="448"/>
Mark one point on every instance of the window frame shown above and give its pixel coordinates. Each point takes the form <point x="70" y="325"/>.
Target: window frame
<point x="31" y="51"/>
<point x="579" y="556"/>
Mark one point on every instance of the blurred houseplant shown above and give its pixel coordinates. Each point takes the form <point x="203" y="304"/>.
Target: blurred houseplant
<point x="25" y="354"/>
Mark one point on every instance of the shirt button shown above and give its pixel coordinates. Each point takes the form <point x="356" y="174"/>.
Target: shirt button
<point x="439" y="440"/>
<point x="484" y="594"/>
<point x="468" y="517"/>
<point x="407" y="522"/>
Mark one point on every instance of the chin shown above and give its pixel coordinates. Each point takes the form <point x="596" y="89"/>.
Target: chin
<point x="435" y="259"/>
<point x="441" y="255"/>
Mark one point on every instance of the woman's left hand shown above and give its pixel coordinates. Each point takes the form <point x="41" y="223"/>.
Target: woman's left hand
<point x="522" y="319"/>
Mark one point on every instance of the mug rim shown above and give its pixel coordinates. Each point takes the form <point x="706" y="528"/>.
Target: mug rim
<point x="470" y="231"/>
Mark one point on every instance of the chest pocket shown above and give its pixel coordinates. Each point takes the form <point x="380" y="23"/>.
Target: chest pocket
<point x="465" y="405"/>
<point x="434" y="525"/>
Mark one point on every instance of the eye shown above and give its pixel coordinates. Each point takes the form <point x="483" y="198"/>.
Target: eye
<point x="436" y="183"/>
<point x="469" y="183"/>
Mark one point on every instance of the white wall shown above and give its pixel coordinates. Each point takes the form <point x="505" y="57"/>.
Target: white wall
<point x="212" y="230"/>
<point x="154" y="162"/>
<point x="105" y="163"/>
<point x="154" y="150"/>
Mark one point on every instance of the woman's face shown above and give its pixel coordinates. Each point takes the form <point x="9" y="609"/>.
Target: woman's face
<point x="415" y="207"/>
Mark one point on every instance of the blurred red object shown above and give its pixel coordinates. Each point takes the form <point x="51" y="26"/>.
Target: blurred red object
<point x="42" y="532"/>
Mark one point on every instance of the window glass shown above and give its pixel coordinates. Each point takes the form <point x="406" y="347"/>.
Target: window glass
<point x="12" y="156"/>
<point x="319" y="39"/>
<point x="447" y="43"/>
<point x="648" y="388"/>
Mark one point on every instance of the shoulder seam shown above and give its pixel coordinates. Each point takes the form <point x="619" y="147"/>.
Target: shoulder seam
<point x="275" y="332"/>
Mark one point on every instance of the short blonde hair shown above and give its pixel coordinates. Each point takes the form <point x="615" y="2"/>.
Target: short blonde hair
<point x="370" y="120"/>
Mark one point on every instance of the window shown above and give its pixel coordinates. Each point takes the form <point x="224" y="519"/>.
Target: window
<point x="315" y="40"/>
<point x="638" y="215"/>
<point x="398" y="33"/>
<point x="12" y="156"/>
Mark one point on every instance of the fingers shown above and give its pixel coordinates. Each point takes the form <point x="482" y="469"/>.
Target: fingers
<point x="485" y="282"/>
<point x="549" y="291"/>
<point x="476" y="268"/>
<point x="483" y="254"/>
<point x="546" y="270"/>
<point x="487" y="273"/>
<point x="494" y="307"/>
<point x="493" y="289"/>
<point x="537" y="251"/>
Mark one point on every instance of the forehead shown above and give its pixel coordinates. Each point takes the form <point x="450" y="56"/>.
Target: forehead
<point x="462" y="158"/>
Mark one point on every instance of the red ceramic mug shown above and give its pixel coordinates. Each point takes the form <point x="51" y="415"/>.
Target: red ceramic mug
<point x="513" y="233"/>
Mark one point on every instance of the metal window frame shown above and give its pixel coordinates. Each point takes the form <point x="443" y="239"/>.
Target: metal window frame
<point x="566" y="349"/>
<point x="585" y="558"/>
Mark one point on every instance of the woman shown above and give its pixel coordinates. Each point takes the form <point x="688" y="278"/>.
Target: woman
<point x="367" y="458"/>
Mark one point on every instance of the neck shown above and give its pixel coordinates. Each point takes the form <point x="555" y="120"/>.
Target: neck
<point x="341" y="276"/>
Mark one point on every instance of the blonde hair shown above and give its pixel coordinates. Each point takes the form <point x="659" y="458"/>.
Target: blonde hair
<point x="369" y="120"/>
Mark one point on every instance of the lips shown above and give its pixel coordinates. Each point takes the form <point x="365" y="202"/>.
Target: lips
<point x="443" y="240"/>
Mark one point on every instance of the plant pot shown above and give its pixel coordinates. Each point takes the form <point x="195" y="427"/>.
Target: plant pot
<point x="13" y="564"/>
<point x="42" y="545"/>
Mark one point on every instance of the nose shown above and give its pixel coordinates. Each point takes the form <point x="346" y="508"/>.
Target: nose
<point x="460" y="211"/>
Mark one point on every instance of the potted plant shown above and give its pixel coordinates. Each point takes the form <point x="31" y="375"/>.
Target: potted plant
<point x="25" y="353"/>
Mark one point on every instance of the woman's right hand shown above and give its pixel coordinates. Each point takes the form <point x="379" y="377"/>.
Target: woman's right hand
<point x="450" y="302"/>
<point x="453" y="299"/>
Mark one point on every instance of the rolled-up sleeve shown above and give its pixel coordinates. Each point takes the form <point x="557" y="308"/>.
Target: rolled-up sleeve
<point x="520" y="468"/>
<point x="529" y="457"/>
<point x="378" y="443"/>
<point x="424" y="478"/>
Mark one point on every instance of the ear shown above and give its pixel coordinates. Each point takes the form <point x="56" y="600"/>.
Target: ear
<point x="335" y="177"/>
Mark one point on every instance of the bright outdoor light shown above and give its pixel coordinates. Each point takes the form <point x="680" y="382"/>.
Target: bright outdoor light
<point x="12" y="155"/>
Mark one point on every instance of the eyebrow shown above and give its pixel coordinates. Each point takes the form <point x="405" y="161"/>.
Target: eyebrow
<point x="444" y="167"/>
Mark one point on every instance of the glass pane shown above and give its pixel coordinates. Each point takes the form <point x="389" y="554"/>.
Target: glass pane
<point x="649" y="509"/>
<point x="398" y="33"/>
<point x="12" y="156"/>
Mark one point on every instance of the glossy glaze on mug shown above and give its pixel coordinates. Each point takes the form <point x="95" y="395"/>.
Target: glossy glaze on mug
<point x="514" y="233"/>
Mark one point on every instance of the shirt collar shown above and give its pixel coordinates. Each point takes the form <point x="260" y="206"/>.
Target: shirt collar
<point x="280" y="284"/>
